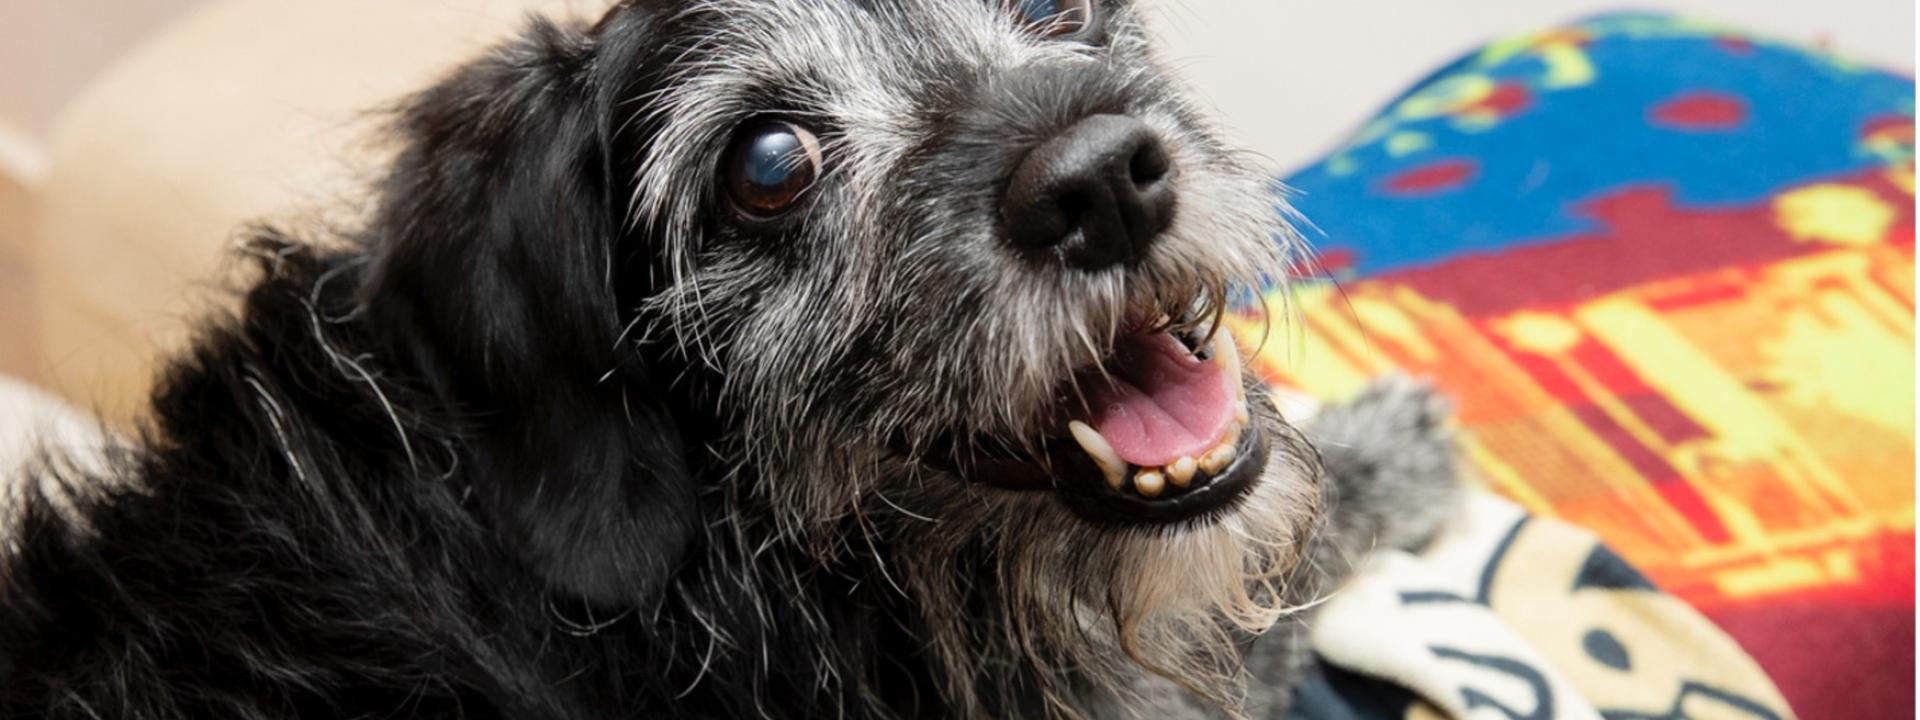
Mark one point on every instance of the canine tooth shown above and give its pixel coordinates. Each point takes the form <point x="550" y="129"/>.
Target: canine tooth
<point x="1240" y="413"/>
<point x="1149" y="483"/>
<point x="1103" y="455"/>
<point x="1180" y="473"/>
<point x="1229" y="354"/>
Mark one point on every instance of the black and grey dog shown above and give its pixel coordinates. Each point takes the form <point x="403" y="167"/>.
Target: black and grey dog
<point x="734" y="358"/>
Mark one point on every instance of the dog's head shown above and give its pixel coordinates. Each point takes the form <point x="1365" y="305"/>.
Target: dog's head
<point x="945" y="274"/>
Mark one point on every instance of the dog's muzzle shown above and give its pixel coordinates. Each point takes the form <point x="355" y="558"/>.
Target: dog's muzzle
<point x="1157" y="433"/>
<point x="1159" y="430"/>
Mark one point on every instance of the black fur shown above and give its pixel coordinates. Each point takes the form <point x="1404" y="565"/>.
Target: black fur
<point x="229" y="582"/>
<point x="423" y="471"/>
<point x="412" y="477"/>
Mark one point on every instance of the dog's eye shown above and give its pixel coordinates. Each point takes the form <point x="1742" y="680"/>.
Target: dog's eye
<point x="770" y="166"/>
<point x="1054" y="18"/>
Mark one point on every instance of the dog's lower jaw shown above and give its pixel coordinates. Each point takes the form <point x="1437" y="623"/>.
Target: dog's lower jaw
<point x="1193" y="391"/>
<point x="1084" y="609"/>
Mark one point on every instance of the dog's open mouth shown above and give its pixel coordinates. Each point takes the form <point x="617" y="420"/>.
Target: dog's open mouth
<point x="1159" y="432"/>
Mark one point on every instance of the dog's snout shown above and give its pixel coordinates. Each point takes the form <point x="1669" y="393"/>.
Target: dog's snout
<point x="1100" y="193"/>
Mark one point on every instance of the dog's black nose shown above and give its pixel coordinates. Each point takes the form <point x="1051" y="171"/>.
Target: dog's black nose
<point x="1099" y="192"/>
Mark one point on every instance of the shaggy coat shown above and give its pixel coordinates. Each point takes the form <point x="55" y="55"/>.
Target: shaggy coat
<point x="554" y="435"/>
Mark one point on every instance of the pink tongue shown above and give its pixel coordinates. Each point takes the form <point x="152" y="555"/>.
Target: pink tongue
<point x="1163" y="404"/>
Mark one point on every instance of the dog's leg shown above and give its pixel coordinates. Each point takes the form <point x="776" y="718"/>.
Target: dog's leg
<point x="1391" y="473"/>
<point x="1391" y="481"/>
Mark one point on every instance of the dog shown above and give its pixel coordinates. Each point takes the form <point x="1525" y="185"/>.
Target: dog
<point x="734" y="358"/>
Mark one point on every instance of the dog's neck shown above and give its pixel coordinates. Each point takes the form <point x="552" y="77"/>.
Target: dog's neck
<point x="753" y="618"/>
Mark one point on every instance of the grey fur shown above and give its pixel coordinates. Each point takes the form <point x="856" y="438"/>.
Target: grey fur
<point x="1392" y="472"/>
<point x="1392" y="457"/>
<point x="894" y="319"/>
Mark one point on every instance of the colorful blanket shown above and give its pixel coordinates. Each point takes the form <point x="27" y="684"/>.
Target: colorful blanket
<point x="1666" y="270"/>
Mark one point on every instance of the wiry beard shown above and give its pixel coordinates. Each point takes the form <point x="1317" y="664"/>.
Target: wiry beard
<point x="1017" y="598"/>
<point x="892" y="331"/>
<point x="1020" y="596"/>
<point x="836" y="377"/>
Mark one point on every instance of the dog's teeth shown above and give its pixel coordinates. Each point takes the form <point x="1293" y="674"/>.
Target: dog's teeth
<point x="1180" y="473"/>
<point x="1222" y="454"/>
<point x="1103" y="455"/>
<point x="1149" y="483"/>
<point x="1218" y="459"/>
<point x="1229" y="357"/>
<point x="1240" y="413"/>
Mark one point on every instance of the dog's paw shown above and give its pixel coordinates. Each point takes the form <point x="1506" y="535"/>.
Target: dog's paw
<point x="1391" y="465"/>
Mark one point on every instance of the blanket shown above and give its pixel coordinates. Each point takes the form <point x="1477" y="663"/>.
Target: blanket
<point x="1666" y="270"/>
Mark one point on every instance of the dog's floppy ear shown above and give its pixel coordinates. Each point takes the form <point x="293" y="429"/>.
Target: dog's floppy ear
<point x="498" y="243"/>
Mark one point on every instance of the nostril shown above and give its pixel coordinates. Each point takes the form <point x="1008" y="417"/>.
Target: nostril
<point x="1149" y="165"/>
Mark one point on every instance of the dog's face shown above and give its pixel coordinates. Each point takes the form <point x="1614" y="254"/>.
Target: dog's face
<point x="913" y="235"/>
<point x="960" y="260"/>
<point x="946" y="274"/>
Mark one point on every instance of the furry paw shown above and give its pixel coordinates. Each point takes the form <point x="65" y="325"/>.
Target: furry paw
<point x="1391" y="467"/>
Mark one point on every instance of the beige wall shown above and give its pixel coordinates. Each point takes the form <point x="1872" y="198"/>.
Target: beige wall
<point x="50" y="48"/>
